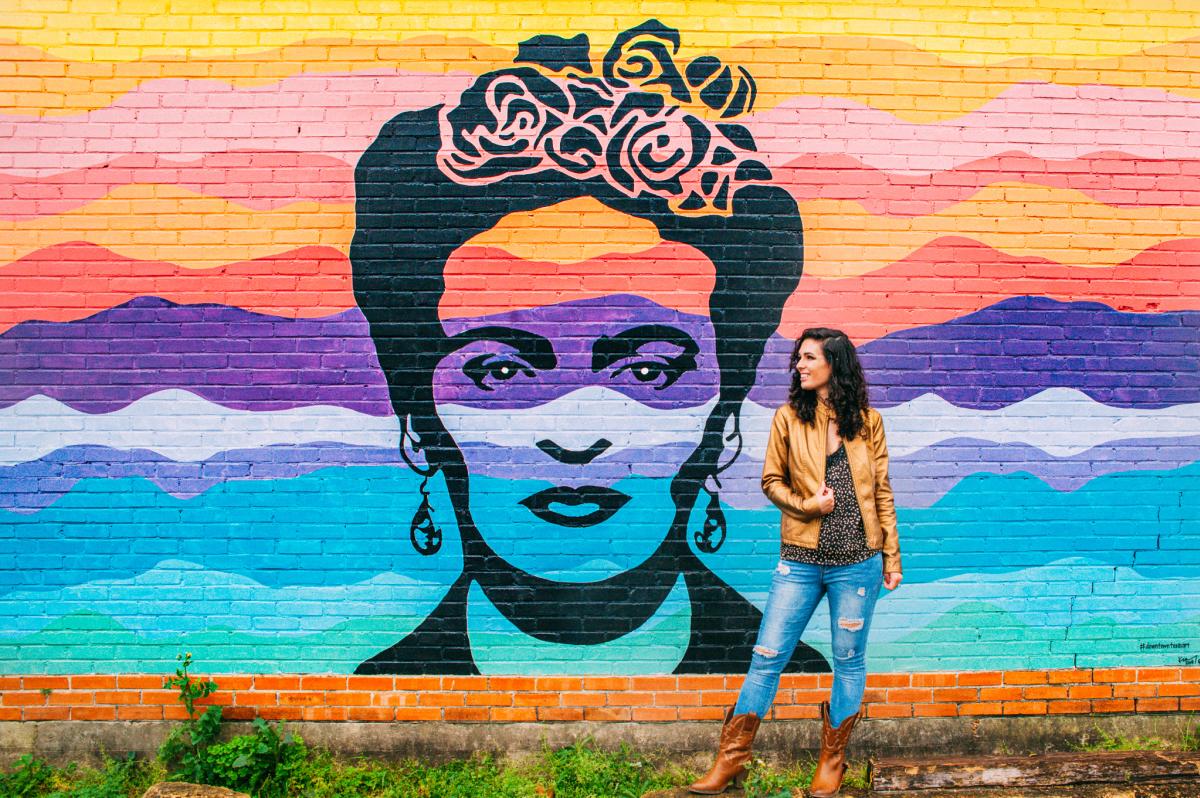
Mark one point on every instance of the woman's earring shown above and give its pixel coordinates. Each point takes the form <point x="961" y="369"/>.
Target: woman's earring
<point x="712" y="536"/>
<point x="423" y="533"/>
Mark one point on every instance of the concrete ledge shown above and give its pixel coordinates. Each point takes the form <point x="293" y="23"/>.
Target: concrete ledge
<point x="87" y="741"/>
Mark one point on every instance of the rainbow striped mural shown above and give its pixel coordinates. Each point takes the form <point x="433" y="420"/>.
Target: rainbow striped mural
<point x="1001" y="206"/>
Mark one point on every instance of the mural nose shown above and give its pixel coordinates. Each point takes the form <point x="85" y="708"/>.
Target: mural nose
<point x="574" y="456"/>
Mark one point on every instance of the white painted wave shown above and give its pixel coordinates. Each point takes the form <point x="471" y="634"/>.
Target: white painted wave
<point x="181" y="426"/>
<point x="576" y="420"/>
<point x="1062" y="422"/>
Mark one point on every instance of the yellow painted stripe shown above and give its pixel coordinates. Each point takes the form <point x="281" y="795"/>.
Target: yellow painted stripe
<point x="886" y="74"/>
<point x="968" y="31"/>
<point x="168" y="223"/>
<point x="1061" y="225"/>
<point x="569" y="232"/>
<point x="43" y="84"/>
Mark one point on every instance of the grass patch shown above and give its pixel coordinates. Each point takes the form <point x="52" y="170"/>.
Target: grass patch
<point x="1100" y="740"/>
<point x="582" y="770"/>
<point x="766" y="781"/>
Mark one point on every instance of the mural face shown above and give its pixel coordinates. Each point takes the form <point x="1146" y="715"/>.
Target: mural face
<point x="561" y="274"/>
<point x="574" y="418"/>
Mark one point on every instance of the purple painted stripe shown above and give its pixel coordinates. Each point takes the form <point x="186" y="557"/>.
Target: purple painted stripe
<point x="35" y="485"/>
<point x="923" y="477"/>
<point x="986" y="360"/>
<point x="577" y="330"/>
<point x="1019" y="347"/>
<point x="242" y="360"/>
<point x="919" y="480"/>
<point x="32" y="486"/>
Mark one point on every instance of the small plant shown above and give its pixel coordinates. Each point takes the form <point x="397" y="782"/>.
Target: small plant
<point x="764" y="781"/>
<point x="184" y="750"/>
<point x="28" y="778"/>
<point x="583" y="769"/>
<point x="261" y="763"/>
<point x="119" y="778"/>
<point x="1190" y="740"/>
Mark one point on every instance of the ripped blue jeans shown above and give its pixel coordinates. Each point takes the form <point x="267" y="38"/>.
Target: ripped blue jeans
<point x="796" y="589"/>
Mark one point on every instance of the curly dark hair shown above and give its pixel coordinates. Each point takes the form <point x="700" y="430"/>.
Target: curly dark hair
<point x="847" y="384"/>
<point x="411" y="215"/>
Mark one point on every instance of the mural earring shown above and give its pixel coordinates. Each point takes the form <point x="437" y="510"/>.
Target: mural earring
<point x="711" y="537"/>
<point x="424" y="535"/>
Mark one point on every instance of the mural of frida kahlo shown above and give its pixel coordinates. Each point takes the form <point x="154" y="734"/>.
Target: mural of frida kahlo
<point x="578" y="397"/>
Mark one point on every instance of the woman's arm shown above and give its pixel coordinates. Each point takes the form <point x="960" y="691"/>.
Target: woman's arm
<point x="885" y="503"/>
<point x="775" y="482"/>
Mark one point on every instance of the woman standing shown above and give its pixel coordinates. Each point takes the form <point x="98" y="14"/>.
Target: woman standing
<point x="826" y="469"/>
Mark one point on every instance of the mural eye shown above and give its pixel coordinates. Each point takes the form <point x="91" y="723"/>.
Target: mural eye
<point x="486" y="370"/>
<point x="660" y="374"/>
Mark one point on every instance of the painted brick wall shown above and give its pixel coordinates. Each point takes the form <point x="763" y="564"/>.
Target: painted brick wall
<point x="255" y="405"/>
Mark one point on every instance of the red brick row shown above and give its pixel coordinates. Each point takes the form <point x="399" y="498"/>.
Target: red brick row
<point x="500" y="699"/>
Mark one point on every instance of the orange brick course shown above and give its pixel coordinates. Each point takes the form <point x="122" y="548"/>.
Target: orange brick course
<point x="504" y="699"/>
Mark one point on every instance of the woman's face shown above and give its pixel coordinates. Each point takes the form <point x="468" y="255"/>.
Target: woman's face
<point x="581" y="380"/>
<point x="812" y="366"/>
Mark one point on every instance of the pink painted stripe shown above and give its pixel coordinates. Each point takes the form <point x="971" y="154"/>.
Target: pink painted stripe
<point x="1045" y="120"/>
<point x="336" y="116"/>
<point x="259" y="180"/>
<point x="1112" y="178"/>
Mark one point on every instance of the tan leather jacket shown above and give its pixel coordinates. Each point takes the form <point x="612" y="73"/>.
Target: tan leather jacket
<point x="795" y="468"/>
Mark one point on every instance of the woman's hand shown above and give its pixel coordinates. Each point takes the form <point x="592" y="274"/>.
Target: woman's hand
<point x="825" y="499"/>
<point x="891" y="579"/>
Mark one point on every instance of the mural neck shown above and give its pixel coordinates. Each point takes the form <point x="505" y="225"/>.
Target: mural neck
<point x="536" y="605"/>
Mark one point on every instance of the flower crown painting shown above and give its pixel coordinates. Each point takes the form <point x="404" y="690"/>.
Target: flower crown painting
<point x="576" y="419"/>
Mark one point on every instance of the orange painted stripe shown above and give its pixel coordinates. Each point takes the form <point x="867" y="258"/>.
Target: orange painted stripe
<point x="949" y="278"/>
<point x="72" y="281"/>
<point x="952" y="277"/>
<point x="485" y="281"/>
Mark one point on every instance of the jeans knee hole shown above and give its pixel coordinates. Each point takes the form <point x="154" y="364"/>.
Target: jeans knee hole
<point x="862" y="591"/>
<point x="843" y="655"/>
<point x="851" y="624"/>
<point x="763" y="651"/>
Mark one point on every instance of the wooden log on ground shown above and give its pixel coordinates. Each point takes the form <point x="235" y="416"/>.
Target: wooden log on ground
<point x="1042" y="770"/>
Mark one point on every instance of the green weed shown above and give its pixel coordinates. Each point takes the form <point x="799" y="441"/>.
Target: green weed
<point x="28" y="778"/>
<point x="1103" y="741"/>
<point x="261" y="763"/>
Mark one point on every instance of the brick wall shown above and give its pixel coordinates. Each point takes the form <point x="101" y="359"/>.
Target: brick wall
<point x="247" y="410"/>
<point x="510" y="699"/>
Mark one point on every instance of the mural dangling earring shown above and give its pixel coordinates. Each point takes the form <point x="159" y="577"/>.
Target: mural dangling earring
<point x="423" y="533"/>
<point x="711" y="537"/>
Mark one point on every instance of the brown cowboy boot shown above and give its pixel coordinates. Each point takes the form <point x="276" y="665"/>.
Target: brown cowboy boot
<point x="737" y="735"/>
<point x="832" y="764"/>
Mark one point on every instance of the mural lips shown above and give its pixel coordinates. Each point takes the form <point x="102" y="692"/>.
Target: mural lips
<point x="606" y="501"/>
